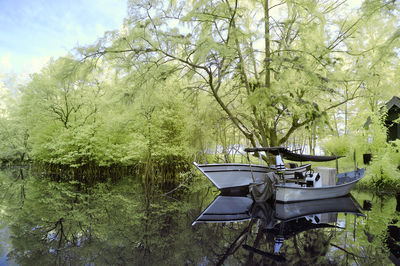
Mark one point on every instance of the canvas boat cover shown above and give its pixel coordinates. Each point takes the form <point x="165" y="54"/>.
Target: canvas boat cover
<point x="264" y="187"/>
<point x="292" y="156"/>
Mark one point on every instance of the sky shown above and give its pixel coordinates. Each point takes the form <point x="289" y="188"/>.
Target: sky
<point x="33" y="31"/>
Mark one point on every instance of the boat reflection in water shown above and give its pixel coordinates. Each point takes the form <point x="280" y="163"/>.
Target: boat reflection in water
<point x="280" y="220"/>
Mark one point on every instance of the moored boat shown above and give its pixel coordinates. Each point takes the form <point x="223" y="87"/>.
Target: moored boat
<point x="292" y="192"/>
<point x="279" y="182"/>
<point x="231" y="175"/>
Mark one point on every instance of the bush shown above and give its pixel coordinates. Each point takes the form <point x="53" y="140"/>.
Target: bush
<point x="337" y="145"/>
<point x="383" y="172"/>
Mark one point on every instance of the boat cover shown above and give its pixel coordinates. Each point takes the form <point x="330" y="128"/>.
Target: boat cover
<point x="264" y="187"/>
<point x="292" y="156"/>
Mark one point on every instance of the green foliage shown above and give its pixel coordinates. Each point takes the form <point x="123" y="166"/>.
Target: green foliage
<point x="269" y="83"/>
<point x="338" y="145"/>
<point x="383" y="173"/>
<point x="80" y="116"/>
<point x="182" y="79"/>
<point x="13" y="132"/>
<point x="14" y="147"/>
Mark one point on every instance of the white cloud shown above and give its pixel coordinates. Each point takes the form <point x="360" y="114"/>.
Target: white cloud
<point x="4" y="95"/>
<point x="35" y="64"/>
<point x="354" y="4"/>
<point x="21" y="66"/>
<point x="5" y="63"/>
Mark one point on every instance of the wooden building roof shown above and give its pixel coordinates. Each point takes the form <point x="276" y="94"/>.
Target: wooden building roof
<point x="394" y="102"/>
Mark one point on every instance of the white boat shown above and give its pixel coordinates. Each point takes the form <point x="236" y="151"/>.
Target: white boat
<point x="231" y="175"/>
<point x="292" y="192"/>
<point x="280" y="183"/>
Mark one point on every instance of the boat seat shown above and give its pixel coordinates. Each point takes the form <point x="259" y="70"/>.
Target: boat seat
<point x="301" y="182"/>
<point x="298" y="175"/>
<point x="306" y="183"/>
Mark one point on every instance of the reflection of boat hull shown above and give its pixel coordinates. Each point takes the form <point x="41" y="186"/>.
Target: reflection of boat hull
<point x="291" y="192"/>
<point x="289" y="211"/>
<point x="226" y="209"/>
<point x="231" y="175"/>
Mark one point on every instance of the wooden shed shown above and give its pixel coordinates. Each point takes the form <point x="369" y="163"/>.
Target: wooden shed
<point x="393" y="114"/>
<point x="392" y="122"/>
<point x="392" y="118"/>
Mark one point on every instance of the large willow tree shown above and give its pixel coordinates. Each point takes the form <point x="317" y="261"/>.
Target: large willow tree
<point x="273" y="67"/>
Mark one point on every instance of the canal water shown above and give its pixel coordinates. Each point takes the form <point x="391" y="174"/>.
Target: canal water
<point x="51" y="223"/>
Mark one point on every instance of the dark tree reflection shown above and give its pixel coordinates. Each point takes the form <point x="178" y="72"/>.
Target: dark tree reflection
<point x="50" y="223"/>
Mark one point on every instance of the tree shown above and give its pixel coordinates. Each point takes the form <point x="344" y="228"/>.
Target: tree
<point x="272" y="67"/>
<point x="13" y="132"/>
<point x="375" y="63"/>
<point x="93" y="117"/>
<point x="58" y="105"/>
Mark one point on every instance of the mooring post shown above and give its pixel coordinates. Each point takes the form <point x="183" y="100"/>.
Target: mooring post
<point x="251" y="171"/>
<point x="337" y="165"/>
<point x="355" y="160"/>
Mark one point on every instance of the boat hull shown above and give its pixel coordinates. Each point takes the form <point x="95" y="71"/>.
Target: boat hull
<point x="225" y="176"/>
<point x="229" y="175"/>
<point x="288" y="193"/>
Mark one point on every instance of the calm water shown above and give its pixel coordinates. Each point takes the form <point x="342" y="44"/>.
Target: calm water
<point x="48" y="223"/>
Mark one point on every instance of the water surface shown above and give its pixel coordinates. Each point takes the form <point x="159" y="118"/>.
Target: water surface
<point x="50" y="223"/>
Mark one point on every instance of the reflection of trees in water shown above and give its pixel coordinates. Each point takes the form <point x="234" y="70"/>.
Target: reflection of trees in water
<point x="60" y="225"/>
<point x="323" y="245"/>
<point x="309" y="248"/>
<point x="361" y="243"/>
<point x="54" y="224"/>
<point x="306" y="248"/>
<point x="358" y="241"/>
<point x="110" y="224"/>
<point x="253" y="245"/>
<point x="12" y="187"/>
